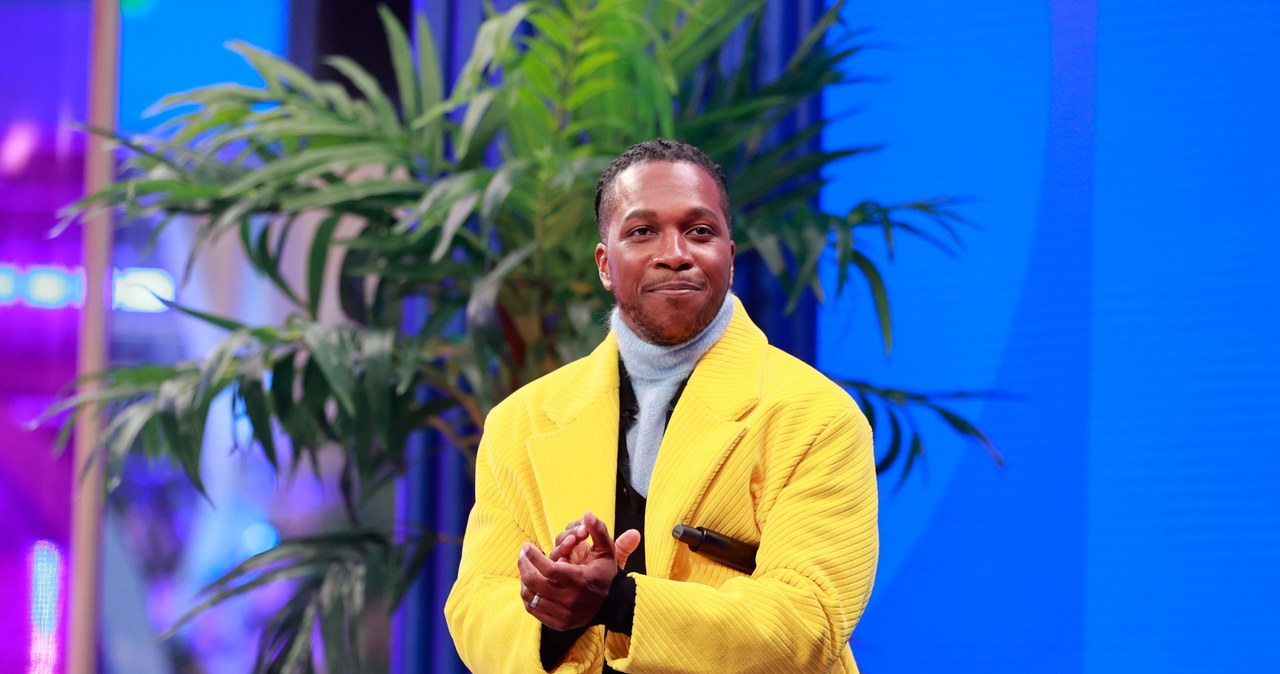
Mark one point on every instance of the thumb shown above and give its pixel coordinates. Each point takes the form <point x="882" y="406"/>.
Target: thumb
<point x="626" y="544"/>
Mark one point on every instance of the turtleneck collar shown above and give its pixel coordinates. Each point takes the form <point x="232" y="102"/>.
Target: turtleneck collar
<point x="646" y="361"/>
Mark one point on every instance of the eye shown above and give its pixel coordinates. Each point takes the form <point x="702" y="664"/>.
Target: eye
<point x="642" y="230"/>
<point x="701" y="230"/>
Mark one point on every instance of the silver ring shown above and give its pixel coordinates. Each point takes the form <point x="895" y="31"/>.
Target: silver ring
<point x="536" y="598"/>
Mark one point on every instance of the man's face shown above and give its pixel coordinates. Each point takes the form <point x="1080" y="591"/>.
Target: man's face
<point x="667" y="255"/>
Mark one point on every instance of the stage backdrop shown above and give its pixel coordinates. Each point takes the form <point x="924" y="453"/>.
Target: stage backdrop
<point x="1122" y="158"/>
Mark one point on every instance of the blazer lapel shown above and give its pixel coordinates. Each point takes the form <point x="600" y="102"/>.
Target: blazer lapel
<point x="576" y="463"/>
<point x="704" y="428"/>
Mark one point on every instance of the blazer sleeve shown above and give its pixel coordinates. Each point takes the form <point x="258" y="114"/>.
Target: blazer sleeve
<point x="484" y="612"/>
<point x="815" y="567"/>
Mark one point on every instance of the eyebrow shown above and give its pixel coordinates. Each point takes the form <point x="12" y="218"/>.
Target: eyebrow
<point x="695" y="212"/>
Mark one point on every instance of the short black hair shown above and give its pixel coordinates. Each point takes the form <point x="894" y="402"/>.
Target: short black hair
<point x="659" y="149"/>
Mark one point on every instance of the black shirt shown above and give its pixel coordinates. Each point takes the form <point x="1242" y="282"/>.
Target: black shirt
<point x="617" y="613"/>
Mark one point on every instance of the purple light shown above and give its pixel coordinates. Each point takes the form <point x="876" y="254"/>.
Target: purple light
<point x="46" y="589"/>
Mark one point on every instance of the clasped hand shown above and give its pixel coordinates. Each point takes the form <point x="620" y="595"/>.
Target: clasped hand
<point x="572" y="583"/>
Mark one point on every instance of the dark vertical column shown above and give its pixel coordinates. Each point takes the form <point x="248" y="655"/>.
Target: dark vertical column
<point x="438" y="492"/>
<point x="351" y="29"/>
<point x="786" y="24"/>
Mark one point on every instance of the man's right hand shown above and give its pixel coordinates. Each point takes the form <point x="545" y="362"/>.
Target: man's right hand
<point x="565" y="594"/>
<point x="572" y="546"/>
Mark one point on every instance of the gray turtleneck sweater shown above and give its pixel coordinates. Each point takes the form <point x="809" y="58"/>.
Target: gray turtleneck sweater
<point x="656" y="372"/>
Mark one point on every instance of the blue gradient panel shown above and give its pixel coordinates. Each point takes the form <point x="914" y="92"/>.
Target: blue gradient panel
<point x="169" y="46"/>
<point x="1184" y="480"/>
<point x="1122" y="160"/>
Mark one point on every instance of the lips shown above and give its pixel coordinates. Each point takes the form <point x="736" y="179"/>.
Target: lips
<point x="675" y="286"/>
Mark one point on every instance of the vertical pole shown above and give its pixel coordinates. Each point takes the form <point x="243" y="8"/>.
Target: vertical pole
<point x="86" y="525"/>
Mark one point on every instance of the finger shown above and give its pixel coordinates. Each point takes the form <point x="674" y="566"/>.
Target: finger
<point x="601" y="541"/>
<point x="530" y="576"/>
<point x="624" y="545"/>
<point x="565" y="545"/>
<point x="581" y="553"/>
<point x="550" y="574"/>
<point x="527" y="594"/>
<point x="572" y="529"/>
<point x="549" y="611"/>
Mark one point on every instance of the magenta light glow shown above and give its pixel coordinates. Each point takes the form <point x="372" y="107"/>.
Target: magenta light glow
<point x="18" y="146"/>
<point x="46" y="590"/>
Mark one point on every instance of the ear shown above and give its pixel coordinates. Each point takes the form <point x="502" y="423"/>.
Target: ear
<point x="733" y="253"/>
<point x="602" y="266"/>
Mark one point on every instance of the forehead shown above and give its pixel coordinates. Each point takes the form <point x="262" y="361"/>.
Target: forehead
<point x="660" y="185"/>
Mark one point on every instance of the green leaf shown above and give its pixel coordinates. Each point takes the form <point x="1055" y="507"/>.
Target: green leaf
<point x="275" y="70"/>
<point x="491" y="44"/>
<point x="259" y="412"/>
<point x="554" y="26"/>
<point x="312" y="162"/>
<point x="879" y="295"/>
<point x="226" y="590"/>
<point x="895" y="444"/>
<point x="264" y="333"/>
<point x="968" y="429"/>
<point x="372" y="91"/>
<point x="330" y="349"/>
<point x="481" y="122"/>
<point x="282" y="381"/>
<point x="484" y="295"/>
<point x="816" y="35"/>
<point x="706" y="26"/>
<point x="317" y="258"/>
<point x="402" y="64"/>
<point x="453" y="221"/>
<point x="351" y="194"/>
<point x="408" y="574"/>
<point x="378" y="377"/>
<point x="915" y="451"/>
<point x="432" y="90"/>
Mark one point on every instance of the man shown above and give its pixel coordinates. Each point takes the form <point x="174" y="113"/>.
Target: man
<point x="683" y="415"/>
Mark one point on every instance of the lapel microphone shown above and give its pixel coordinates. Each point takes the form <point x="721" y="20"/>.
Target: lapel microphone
<point x="727" y="550"/>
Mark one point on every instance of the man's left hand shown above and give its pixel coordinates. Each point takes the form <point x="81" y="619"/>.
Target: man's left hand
<point x="569" y="593"/>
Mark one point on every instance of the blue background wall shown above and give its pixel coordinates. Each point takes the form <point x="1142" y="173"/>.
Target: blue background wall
<point x="1123" y="161"/>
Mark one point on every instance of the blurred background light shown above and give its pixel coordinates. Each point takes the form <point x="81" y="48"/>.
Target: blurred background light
<point x="9" y="291"/>
<point x="142" y="289"/>
<point x="136" y="7"/>
<point x="18" y="146"/>
<point x="258" y="538"/>
<point x="46" y="590"/>
<point x="54" y="287"/>
<point x="136" y="289"/>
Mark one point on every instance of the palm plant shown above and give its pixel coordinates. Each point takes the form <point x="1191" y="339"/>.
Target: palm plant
<point x="476" y="201"/>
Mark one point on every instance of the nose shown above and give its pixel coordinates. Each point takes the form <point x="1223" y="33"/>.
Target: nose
<point x="673" y="252"/>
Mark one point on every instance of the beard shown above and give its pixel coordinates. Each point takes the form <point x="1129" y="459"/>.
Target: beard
<point x="654" y="330"/>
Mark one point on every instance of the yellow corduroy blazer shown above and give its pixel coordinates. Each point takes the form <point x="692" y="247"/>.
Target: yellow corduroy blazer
<point x="760" y="447"/>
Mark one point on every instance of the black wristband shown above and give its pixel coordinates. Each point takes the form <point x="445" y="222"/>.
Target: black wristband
<point x="618" y="612"/>
<point x="555" y="644"/>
